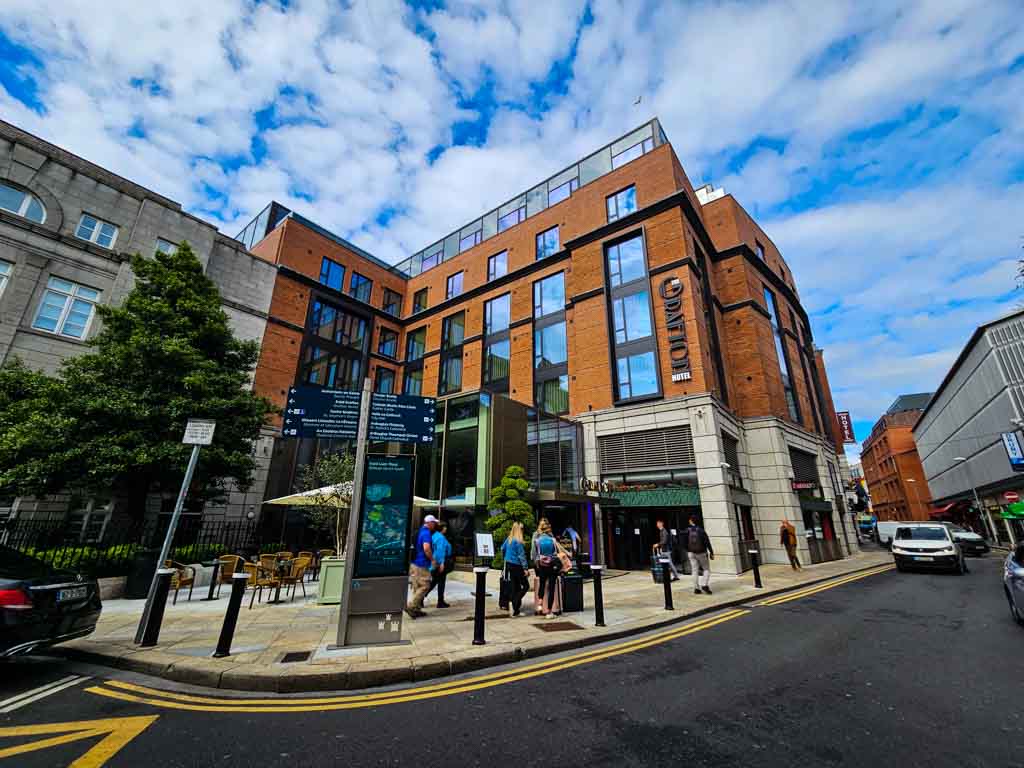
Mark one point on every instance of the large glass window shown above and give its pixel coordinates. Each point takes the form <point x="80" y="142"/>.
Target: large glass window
<point x="497" y="266"/>
<point x="549" y="295"/>
<point x="332" y="274"/>
<point x="626" y="261"/>
<point x="511" y="219"/>
<point x="453" y="330"/>
<point x="637" y="375"/>
<point x="21" y="203"/>
<point x="329" y="370"/>
<point x="549" y="345"/>
<point x="562" y="191"/>
<point x="454" y="285"/>
<point x="780" y="349"/>
<point x="552" y="395"/>
<point x="388" y="343"/>
<point x="468" y="241"/>
<point x="621" y="203"/>
<point x="166" y="246"/>
<point x="450" y="379"/>
<point x="412" y="382"/>
<point x="632" y="315"/>
<point x="334" y="324"/>
<point x="392" y="302"/>
<point x="632" y="153"/>
<point x="547" y="243"/>
<point x="636" y="362"/>
<point x="384" y="381"/>
<point x="96" y="231"/>
<point x="67" y="308"/>
<point x="416" y="344"/>
<point x="360" y="287"/>
<point x="497" y="357"/>
<point x="419" y="300"/>
<point x="497" y="315"/>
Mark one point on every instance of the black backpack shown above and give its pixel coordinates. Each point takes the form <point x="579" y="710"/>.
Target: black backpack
<point x="694" y="540"/>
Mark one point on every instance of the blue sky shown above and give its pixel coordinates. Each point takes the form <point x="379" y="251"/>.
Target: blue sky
<point x="880" y="144"/>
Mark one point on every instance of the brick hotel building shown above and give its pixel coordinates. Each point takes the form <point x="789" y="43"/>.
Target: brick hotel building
<point x="638" y="345"/>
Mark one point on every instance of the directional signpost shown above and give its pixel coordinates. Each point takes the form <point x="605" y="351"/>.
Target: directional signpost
<point x="334" y="413"/>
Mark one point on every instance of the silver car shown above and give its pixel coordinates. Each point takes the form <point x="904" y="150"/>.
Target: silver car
<point x="1013" y="582"/>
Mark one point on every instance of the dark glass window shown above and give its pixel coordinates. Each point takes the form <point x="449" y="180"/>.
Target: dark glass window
<point x="636" y="362"/>
<point x="780" y="350"/>
<point x="453" y="330"/>
<point x="562" y="191"/>
<point x="392" y="302"/>
<point x="511" y="219"/>
<point x="637" y="375"/>
<point x="412" y="383"/>
<point x="388" y="343"/>
<point x="454" y="285"/>
<point x="547" y="243"/>
<point x="549" y="295"/>
<point x="331" y="370"/>
<point x="333" y="324"/>
<point x="497" y="314"/>
<point x="552" y="395"/>
<point x="450" y="379"/>
<point x="632" y="153"/>
<point x="385" y="381"/>
<point x="419" y="300"/>
<point x="360" y="287"/>
<point x="416" y="344"/>
<point x="549" y="346"/>
<point x="760" y="250"/>
<point x="497" y="358"/>
<point x="332" y="274"/>
<point x="467" y="242"/>
<point x="497" y="265"/>
<point x="626" y="261"/>
<point x="632" y="316"/>
<point x="621" y="203"/>
<point x="433" y="257"/>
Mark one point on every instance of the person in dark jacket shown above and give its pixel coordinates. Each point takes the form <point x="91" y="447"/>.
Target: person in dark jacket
<point x="664" y="547"/>
<point x="700" y="553"/>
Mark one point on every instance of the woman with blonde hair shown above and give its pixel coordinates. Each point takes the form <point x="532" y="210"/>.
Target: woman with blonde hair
<point x="514" y="553"/>
<point x="544" y="554"/>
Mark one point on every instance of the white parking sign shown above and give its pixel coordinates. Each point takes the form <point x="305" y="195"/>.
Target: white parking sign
<point x="199" y="432"/>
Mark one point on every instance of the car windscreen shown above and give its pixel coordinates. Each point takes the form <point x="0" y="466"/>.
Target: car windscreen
<point x="922" y="533"/>
<point x="15" y="565"/>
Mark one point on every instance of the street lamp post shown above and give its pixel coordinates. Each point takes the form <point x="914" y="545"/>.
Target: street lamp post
<point x="977" y="502"/>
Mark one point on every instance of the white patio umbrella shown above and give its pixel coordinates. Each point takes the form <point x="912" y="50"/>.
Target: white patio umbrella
<point x="332" y="495"/>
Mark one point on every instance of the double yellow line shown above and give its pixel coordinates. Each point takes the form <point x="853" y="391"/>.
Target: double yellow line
<point x="822" y="587"/>
<point x="139" y="694"/>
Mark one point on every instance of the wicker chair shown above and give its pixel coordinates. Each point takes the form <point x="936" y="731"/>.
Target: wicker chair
<point x="295" y="575"/>
<point x="265" y="578"/>
<point x="183" y="576"/>
<point x="229" y="565"/>
<point x="284" y="555"/>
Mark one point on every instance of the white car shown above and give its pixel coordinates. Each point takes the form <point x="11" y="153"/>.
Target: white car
<point x="927" y="545"/>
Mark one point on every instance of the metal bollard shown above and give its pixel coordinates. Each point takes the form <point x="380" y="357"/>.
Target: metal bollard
<point x="227" y="632"/>
<point x="156" y="614"/>
<point x="478" y="612"/>
<point x="666" y="579"/>
<point x="598" y="596"/>
<point x="755" y="556"/>
<point x="213" y="579"/>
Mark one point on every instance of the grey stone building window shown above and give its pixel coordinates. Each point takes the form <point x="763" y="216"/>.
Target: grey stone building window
<point x="67" y="308"/>
<point x="96" y="231"/>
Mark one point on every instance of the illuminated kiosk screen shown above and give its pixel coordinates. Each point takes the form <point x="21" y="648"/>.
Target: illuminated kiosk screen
<point x="384" y="518"/>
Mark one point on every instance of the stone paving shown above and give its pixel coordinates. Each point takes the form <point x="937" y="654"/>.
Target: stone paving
<point x="435" y="645"/>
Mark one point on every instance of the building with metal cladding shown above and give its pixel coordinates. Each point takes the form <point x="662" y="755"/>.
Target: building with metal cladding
<point x="960" y="434"/>
<point x="638" y="345"/>
<point x="67" y="231"/>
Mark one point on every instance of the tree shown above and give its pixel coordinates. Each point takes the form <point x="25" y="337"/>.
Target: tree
<point x="330" y="476"/>
<point x="507" y="506"/>
<point x="112" y="420"/>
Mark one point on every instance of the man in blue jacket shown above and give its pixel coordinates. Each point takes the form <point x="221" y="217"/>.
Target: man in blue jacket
<point x="442" y="563"/>
<point x="419" y="568"/>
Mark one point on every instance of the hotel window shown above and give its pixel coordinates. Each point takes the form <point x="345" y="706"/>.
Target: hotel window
<point x="21" y="203"/>
<point x="470" y="240"/>
<point x="96" y="231"/>
<point x="547" y="243"/>
<point x="384" y="381"/>
<point x="332" y="274"/>
<point x="550" y="348"/>
<point x="562" y="191"/>
<point x="360" y="287"/>
<point x="552" y="395"/>
<point x="387" y="345"/>
<point x="802" y="353"/>
<point x="785" y="370"/>
<point x="497" y="315"/>
<point x="392" y="302"/>
<point x="67" y="308"/>
<point x="454" y="285"/>
<point x="632" y="153"/>
<point x="419" y="300"/>
<point x="760" y="250"/>
<point x="549" y="295"/>
<point x="453" y="331"/>
<point x="621" y="203"/>
<point x="166" y="246"/>
<point x="416" y="344"/>
<point x="5" y="274"/>
<point x="412" y="382"/>
<point x="512" y="218"/>
<point x="497" y="344"/>
<point x="432" y="256"/>
<point x="333" y="371"/>
<point x="636" y="364"/>
<point x="497" y="266"/>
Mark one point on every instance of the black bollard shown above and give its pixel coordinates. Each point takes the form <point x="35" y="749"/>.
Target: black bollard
<point x="213" y="579"/>
<point x="478" y="612"/>
<point x="227" y="632"/>
<point x="598" y="596"/>
<point x="156" y="614"/>
<point x="755" y="556"/>
<point x="666" y="579"/>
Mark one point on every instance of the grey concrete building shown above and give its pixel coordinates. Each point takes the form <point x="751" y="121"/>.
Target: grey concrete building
<point x="960" y="433"/>
<point x="67" y="231"/>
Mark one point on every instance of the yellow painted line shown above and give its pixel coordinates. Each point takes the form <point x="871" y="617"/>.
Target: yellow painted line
<point x="373" y="697"/>
<point x="175" y="701"/>
<point x="119" y="731"/>
<point x="828" y="585"/>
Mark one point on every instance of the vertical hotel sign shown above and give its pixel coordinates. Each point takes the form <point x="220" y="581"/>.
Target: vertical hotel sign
<point x="846" y="426"/>
<point x="678" y="349"/>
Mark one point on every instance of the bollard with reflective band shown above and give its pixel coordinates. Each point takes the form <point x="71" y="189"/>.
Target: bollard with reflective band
<point x="666" y="578"/>
<point x="213" y="579"/>
<point x="227" y="632"/>
<point x="478" y="612"/>
<point x="156" y="613"/>
<point x="755" y="557"/>
<point x="598" y="596"/>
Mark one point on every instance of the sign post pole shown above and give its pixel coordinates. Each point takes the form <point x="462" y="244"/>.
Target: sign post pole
<point x="355" y="505"/>
<point x="197" y="433"/>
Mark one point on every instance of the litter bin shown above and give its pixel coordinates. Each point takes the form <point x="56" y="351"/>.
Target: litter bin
<point x="573" y="593"/>
<point x="140" y="574"/>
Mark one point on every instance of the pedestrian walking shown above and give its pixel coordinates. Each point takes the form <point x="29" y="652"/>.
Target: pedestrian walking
<point x="544" y="554"/>
<point x="700" y="553"/>
<point x="442" y="563"/>
<point x="513" y="550"/>
<point x="665" y="546"/>
<point x="787" y="537"/>
<point x="419" y="569"/>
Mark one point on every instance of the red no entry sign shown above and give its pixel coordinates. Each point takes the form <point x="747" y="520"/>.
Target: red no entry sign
<point x="1011" y="496"/>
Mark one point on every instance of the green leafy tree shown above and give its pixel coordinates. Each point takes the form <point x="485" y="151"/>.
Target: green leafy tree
<point x="508" y="506"/>
<point x="330" y="476"/>
<point x="112" y="420"/>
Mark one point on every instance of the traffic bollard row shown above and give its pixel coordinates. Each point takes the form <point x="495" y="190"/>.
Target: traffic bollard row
<point x="598" y="596"/>
<point x="666" y="578"/>
<point x="156" y="614"/>
<point x="227" y="631"/>
<point x="478" y="612"/>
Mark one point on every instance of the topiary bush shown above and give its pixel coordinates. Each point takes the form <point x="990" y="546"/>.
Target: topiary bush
<point x="507" y="506"/>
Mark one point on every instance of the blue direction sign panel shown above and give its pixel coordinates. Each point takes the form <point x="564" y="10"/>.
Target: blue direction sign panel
<point x="402" y="418"/>
<point x="334" y="413"/>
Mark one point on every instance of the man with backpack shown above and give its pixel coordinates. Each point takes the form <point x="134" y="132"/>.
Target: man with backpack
<point x="666" y="544"/>
<point x="698" y="549"/>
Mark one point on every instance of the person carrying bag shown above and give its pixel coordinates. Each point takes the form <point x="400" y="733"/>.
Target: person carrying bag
<point x="544" y="553"/>
<point x="514" y="585"/>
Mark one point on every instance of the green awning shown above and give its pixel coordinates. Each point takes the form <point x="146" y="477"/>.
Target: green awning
<point x="659" y="497"/>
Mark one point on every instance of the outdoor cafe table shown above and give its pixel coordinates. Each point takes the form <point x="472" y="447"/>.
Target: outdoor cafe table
<point x="283" y="566"/>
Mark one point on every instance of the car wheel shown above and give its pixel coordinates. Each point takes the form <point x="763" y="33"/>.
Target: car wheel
<point x="1017" y="617"/>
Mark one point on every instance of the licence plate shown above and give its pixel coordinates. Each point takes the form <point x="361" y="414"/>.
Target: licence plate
<point x="924" y="558"/>
<point x="77" y="593"/>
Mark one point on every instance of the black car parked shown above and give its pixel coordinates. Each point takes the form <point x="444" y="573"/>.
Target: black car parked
<point x="40" y="606"/>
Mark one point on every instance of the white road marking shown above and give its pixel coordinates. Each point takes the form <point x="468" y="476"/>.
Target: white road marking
<point x="28" y="697"/>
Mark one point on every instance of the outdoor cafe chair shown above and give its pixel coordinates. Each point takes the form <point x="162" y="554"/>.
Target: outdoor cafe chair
<point x="229" y="565"/>
<point x="309" y="556"/>
<point x="183" y="576"/>
<point x="284" y="555"/>
<point x="295" y="575"/>
<point x="265" y="578"/>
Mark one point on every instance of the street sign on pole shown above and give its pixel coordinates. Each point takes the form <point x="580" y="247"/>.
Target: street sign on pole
<point x="199" y="432"/>
<point x="1011" y="496"/>
<point x="334" y="413"/>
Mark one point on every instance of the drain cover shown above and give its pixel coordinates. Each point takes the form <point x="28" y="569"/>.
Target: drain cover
<point x="293" y="656"/>
<point x="558" y="626"/>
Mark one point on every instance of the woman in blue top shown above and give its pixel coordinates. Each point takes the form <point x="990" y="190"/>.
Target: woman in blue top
<point x="514" y="553"/>
<point x="544" y="553"/>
